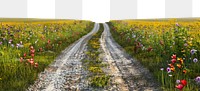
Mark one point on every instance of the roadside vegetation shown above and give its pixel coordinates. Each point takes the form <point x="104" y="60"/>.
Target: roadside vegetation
<point x="168" y="48"/>
<point x="93" y="64"/>
<point x="28" y="47"/>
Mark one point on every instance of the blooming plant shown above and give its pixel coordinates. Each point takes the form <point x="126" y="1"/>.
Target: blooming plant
<point x="27" y="47"/>
<point x="170" y="45"/>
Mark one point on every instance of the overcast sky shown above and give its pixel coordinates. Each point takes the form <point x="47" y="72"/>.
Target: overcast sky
<point x="99" y="10"/>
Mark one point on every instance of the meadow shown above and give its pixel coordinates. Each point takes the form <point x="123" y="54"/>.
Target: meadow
<point x="169" y="48"/>
<point x="28" y="46"/>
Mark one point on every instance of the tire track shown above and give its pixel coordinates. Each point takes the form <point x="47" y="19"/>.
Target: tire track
<point x="66" y="73"/>
<point x="128" y="72"/>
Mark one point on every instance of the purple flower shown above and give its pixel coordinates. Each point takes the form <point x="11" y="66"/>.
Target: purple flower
<point x="193" y="51"/>
<point x="177" y="25"/>
<point x="10" y="41"/>
<point x="12" y="45"/>
<point x="18" y="44"/>
<point x="197" y="79"/>
<point x="178" y="81"/>
<point x="1" y="43"/>
<point x="21" y="42"/>
<point x="195" y="60"/>
<point x="185" y="44"/>
<point x="168" y="69"/>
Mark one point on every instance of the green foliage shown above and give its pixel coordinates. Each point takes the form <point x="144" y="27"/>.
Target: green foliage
<point x="154" y="48"/>
<point x="93" y="64"/>
<point x="48" y="38"/>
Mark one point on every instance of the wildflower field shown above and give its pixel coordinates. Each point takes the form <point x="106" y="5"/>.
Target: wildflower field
<point x="29" y="46"/>
<point x="169" y="48"/>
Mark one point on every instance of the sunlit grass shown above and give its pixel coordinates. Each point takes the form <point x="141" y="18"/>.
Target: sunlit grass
<point x="28" y="47"/>
<point x="154" y="42"/>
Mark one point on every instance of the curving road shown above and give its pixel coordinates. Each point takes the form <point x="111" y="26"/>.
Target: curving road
<point x="66" y="73"/>
<point x="127" y="72"/>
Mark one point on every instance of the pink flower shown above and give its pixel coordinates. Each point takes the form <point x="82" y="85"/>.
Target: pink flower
<point x="180" y="87"/>
<point x="173" y="61"/>
<point x="21" y="59"/>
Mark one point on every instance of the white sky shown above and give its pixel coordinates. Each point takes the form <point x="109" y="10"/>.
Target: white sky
<point x="41" y="8"/>
<point x="151" y="9"/>
<point x="196" y="8"/>
<point x="98" y="10"/>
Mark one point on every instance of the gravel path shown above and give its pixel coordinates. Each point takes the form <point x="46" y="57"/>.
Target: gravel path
<point x="66" y="73"/>
<point x="126" y="72"/>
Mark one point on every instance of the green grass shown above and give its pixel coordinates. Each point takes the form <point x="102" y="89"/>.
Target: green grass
<point x="93" y="64"/>
<point x="141" y="47"/>
<point x="49" y="36"/>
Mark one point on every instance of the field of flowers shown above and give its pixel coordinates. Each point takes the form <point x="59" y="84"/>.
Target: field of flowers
<point x="169" y="48"/>
<point x="27" y="47"/>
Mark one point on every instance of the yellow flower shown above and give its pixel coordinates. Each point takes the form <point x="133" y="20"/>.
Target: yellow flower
<point x="179" y="65"/>
<point x="189" y="43"/>
<point x="172" y="69"/>
<point x="181" y="60"/>
<point x="183" y="51"/>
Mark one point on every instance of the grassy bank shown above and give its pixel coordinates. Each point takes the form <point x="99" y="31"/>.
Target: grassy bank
<point x="27" y="48"/>
<point x="169" y="49"/>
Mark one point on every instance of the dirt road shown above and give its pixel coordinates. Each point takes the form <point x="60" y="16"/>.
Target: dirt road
<point x="127" y="72"/>
<point x="66" y="73"/>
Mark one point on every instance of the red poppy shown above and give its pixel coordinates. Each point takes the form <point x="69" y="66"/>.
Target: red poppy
<point x="184" y="82"/>
<point x="173" y="56"/>
<point x="24" y="54"/>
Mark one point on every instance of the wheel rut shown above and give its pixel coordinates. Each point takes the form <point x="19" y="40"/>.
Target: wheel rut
<point x="127" y="72"/>
<point x="66" y="73"/>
